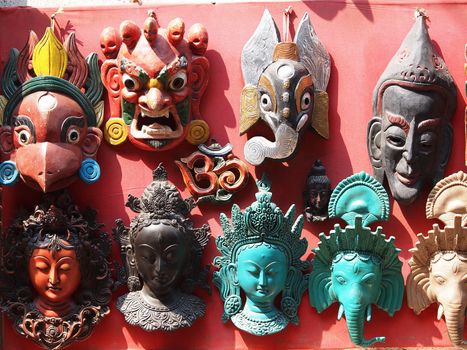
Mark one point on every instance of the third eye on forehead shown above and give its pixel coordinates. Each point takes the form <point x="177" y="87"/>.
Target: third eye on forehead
<point x="285" y="71"/>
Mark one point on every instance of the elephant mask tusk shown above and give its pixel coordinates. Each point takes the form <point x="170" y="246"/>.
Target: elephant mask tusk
<point x="340" y="312"/>
<point x="440" y="312"/>
<point x="368" y="313"/>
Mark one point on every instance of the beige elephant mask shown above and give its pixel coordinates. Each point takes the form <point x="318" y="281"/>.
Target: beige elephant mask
<point x="439" y="263"/>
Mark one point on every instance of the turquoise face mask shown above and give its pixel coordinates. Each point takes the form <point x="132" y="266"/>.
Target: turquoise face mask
<point x="261" y="250"/>
<point x="261" y="272"/>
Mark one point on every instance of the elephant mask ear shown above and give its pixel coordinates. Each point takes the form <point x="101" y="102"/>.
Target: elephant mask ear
<point x="320" y="288"/>
<point x="418" y="283"/>
<point x="392" y="290"/>
<point x="258" y="51"/>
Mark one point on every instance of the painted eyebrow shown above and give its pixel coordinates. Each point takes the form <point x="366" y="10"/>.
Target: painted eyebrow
<point x="141" y="72"/>
<point x="70" y="121"/>
<point x="25" y="120"/>
<point x="398" y="120"/>
<point x="428" y="124"/>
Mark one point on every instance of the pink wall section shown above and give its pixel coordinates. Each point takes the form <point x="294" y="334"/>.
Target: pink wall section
<point x="361" y="38"/>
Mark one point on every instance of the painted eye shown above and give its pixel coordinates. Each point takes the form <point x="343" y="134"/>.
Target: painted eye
<point x="24" y="137"/>
<point x="265" y="102"/>
<point x="178" y="81"/>
<point x="340" y="279"/>
<point x="440" y="280"/>
<point x="72" y="136"/>
<point x="427" y="141"/>
<point x="395" y="140"/>
<point x="131" y="83"/>
<point x="306" y="101"/>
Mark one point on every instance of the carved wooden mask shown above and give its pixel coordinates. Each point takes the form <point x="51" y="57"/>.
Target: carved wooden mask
<point x="162" y="252"/>
<point x="55" y="264"/>
<point x="155" y="79"/>
<point x="410" y="135"/>
<point x="285" y="86"/>
<point x="50" y="126"/>
<point x="439" y="263"/>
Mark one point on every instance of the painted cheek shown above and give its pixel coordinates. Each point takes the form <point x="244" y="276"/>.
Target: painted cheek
<point x="130" y="96"/>
<point x="178" y="97"/>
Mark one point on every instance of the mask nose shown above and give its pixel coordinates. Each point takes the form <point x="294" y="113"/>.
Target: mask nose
<point x="47" y="163"/>
<point x="155" y="100"/>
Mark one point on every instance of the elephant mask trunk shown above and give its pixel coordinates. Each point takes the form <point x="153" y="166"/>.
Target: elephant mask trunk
<point x="258" y="148"/>
<point x="454" y="315"/>
<point x="355" y="316"/>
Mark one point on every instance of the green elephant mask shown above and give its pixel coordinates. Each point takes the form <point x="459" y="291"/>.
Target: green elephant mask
<point x="355" y="266"/>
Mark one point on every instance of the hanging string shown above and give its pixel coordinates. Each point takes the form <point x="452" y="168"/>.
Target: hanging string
<point x="420" y="12"/>
<point x="52" y="18"/>
<point x="286" y="22"/>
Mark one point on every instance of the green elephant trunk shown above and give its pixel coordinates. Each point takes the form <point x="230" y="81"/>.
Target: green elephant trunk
<point x="355" y="316"/>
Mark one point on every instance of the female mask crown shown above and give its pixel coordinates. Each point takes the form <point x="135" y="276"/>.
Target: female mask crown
<point x="261" y="250"/>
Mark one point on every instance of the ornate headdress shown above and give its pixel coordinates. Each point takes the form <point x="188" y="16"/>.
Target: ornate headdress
<point x="261" y="222"/>
<point x="418" y="66"/>
<point x="56" y="67"/>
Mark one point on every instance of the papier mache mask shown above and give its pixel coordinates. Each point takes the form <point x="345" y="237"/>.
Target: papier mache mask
<point x="51" y="108"/>
<point x="162" y="254"/>
<point x="410" y="134"/>
<point x="55" y="262"/>
<point x="213" y="173"/>
<point x="355" y="266"/>
<point x="439" y="262"/>
<point x="285" y="86"/>
<point x="261" y="250"/>
<point x="155" y="80"/>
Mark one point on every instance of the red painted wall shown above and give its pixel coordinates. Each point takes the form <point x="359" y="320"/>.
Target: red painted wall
<point x="361" y="37"/>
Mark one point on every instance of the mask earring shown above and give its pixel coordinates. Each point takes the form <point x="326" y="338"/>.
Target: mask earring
<point x="8" y="173"/>
<point x="90" y="171"/>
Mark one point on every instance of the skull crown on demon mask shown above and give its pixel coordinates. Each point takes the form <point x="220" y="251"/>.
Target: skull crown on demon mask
<point x="50" y="126"/>
<point x="285" y="87"/>
<point x="355" y="266"/>
<point x="410" y="134"/>
<point x="155" y="80"/>
<point x="261" y="250"/>
<point x="162" y="254"/>
<point x="439" y="263"/>
<point x="55" y="264"/>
